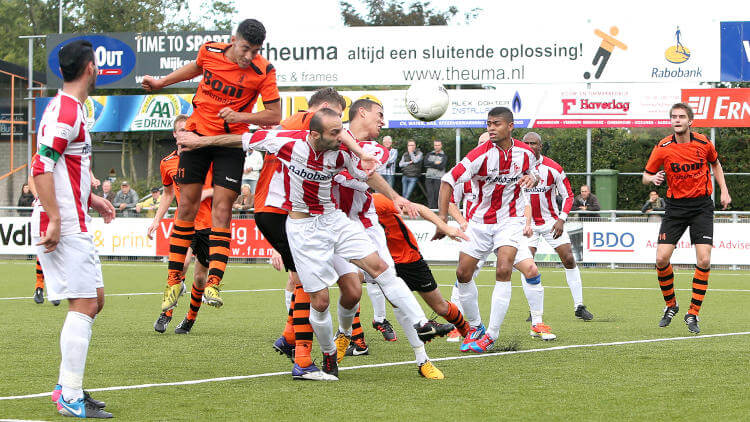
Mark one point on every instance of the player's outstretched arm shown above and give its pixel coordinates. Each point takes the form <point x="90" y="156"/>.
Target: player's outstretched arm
<point x="185" y="73"/>
<point x="190" y="140"/>
<point x="270" y="116"/>
<point x="443" y="228"/>
<point x="656" y="178"/>
<point x="444" y="198"/>
<point x="379" y="184"/>
<point x="45" y="184"/>
<point x="455" y="213"/>
<point x="722" y="184"/>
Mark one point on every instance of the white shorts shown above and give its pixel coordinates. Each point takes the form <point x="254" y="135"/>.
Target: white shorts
<point x="377" y="236"/>
<point x="315" y="240"/>
<point x="73" y="270"/>
<point x="485" y="239"/>
<point x="545" y="232"/>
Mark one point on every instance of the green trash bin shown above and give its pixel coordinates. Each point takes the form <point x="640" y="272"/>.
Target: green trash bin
<point x="605" y="181"/>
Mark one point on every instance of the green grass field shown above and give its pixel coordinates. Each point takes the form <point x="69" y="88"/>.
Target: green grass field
<point x="688" y="378"/>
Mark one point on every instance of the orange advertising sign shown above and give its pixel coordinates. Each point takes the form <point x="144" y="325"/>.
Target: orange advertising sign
<point x="719" y="107"/>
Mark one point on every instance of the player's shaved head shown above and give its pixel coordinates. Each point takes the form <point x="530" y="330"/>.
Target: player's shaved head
<point x="532" y="136"/>
<point x="501" y="112"/>
<point x="365" y="103"/>
<point x="317" y="122"/>
<point x="327" y="95"/>
<point x="251" y="31"/>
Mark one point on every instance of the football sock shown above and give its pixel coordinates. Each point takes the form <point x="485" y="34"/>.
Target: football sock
<point x="456" y="297"/>
<point x="218" y="253"/>
<point x="74" y="346"/>
<point x="39" y="276"/>
<point x="396" y="291"/>
<point x="288" y="299"/>
<point x="378" y="301"/>
<point x="534" y="292"/>
<point x="573" y="276"/>
<point x="700" y="285"/>
<point x="469" y="296"/>
<point x="346" y="317"/>
<point x="666" y="283"/>
<point x="321" y="325"/>
<point x="411" y="335"/>
<point x="357" y="332"/>
<point x="289" y="326"/>
<point x="303" y="332"/>
<point x="500" y="302"/>
<point x="196" y="295"/>
<point x="455" y="317"/>
<point x="179" y="242"/>
<point x="169" y="313"/>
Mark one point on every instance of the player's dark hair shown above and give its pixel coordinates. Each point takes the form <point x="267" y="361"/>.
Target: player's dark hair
<point x="179" y="118"/>
<point x="252" y="31"/>
<point x="502" y="112"/>
<point x="74" y="57"/>
<point x="687" y="108"/>
<point x="316" y="122"/>
<point x="327" y="95"/>
<point x="365" y="103"/>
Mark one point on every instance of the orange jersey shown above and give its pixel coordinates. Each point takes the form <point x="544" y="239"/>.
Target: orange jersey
<point x="272" y="166"/>
<point x="686" y="165"/>
<point x="225" y="84"/>
<point x="168" y="169"/>
<point x="401" y="241"/>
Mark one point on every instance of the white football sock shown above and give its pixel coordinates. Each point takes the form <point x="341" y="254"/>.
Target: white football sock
<point x="396" y="291"/>
<point x="469" y="302"/>
<point x="74" y="346"/>
<point x="321" y="325"/>
<point x="411" y="334"/>
<point x="456" y="297"/>
<point x="378" y="301"/>
<point x="500" y="302"/>
<point x="288" y="299"/>
<point x="535" y="296"/>
<point x="346" y="316"/>
<point x="573" y="276"/>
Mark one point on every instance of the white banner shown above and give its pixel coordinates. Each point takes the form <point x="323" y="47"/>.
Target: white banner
<point x="122" y="237"/>
<point x="636" y="243"/>
<point x="597" y="51"/>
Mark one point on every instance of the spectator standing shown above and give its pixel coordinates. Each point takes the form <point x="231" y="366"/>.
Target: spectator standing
<point x="150" y="204"/>
<point x="586" y="201"/>
<point x="27" y="197"/>
<point x="253" y="164"/>
<point x="246" y="199"/>
<point x="654" y="203"/>
<point x="411" y="168"/>
<point x="107" y="192"/>
<point x="435" y="162"/>
<point x="125" y="200"/>
<point x="389" y="167"/>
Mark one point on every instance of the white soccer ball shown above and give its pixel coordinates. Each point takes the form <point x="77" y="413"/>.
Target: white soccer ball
<point x="427" y="100"/>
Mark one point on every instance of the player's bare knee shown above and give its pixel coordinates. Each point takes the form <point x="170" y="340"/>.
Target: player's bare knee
<point x="320" y="300"/>
<point x="568" y="261"/>
<point x="503" y="271"/>
<point x="662" y="261"/>
<point x="463" y="275"/>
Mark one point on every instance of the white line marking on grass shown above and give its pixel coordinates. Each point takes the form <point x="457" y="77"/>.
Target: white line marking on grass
<point x="386" y="364"/>
<point x="609" y="271"/>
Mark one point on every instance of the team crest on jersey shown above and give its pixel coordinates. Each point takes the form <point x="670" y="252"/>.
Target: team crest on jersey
<point x="242" y="78"/>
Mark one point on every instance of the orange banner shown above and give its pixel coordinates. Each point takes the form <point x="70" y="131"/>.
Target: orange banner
<point x="719" y="107"/>
<point x="247" y="241"/>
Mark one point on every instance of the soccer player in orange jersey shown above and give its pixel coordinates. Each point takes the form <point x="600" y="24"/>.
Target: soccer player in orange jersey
<point x="234" y="75"/>
<point x="199" y="245"/>
<point x="687" y="159"/>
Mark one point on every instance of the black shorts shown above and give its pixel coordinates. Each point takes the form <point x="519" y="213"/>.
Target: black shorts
<point x="199" y="245"/>
<point x="273" y="228"/>
<point x="228" y="164"/>
<point x="696" y="213"/>
<point x="417" y="276"/>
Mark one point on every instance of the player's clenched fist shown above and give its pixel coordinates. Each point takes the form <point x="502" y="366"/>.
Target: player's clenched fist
<point x="150" y="83"/>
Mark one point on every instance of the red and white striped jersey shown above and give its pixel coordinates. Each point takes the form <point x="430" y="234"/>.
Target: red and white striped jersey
<point x="64" y="149"/>
<point x="309" y="173"/>
<point x="352" y="195"/>
<point x="463" y="192"/>
<point x="543" y="196"/>
<point x="494" y="174"/>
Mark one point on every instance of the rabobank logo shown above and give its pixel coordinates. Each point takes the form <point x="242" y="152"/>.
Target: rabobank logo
<point x="114" y="58"/>
<point x="600" y="241"/>
<point x="677" y="53"/>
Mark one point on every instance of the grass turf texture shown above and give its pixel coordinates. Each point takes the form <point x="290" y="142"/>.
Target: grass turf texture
<point x="688" y="379"/>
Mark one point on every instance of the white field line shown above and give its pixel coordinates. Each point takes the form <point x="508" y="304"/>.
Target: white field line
<point x="386" y="364"/>
<point x="441" y="285"/>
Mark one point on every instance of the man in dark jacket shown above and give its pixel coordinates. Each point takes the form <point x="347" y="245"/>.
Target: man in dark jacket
<point x="411" y="168"/>
<point x="435" y="162"/>
<point x="586" y="201"/>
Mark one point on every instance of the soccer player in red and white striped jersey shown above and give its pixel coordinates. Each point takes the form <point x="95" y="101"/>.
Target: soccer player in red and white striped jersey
<point x="549" y="223"/>
<point x="60" y="223"/>
<point x="498" y="170"/>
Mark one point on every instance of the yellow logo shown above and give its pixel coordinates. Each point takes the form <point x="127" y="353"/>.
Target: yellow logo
<point x="677" y="53"/>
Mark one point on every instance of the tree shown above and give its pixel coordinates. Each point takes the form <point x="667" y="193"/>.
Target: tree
<point x="392" y="13"/>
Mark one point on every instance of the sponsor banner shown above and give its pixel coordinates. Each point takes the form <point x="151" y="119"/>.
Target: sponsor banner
<point x="719" y="107"/>
<point x="636" y="243"/>
<point x="735" y="51"/>
<point x="122" y="237"/>
<point x="585" y="51"/>
<point x="547" y="106"/>
<point x="247" y="241"/>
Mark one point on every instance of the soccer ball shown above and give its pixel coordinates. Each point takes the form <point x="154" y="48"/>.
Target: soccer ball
<point x="427" y="100"/>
